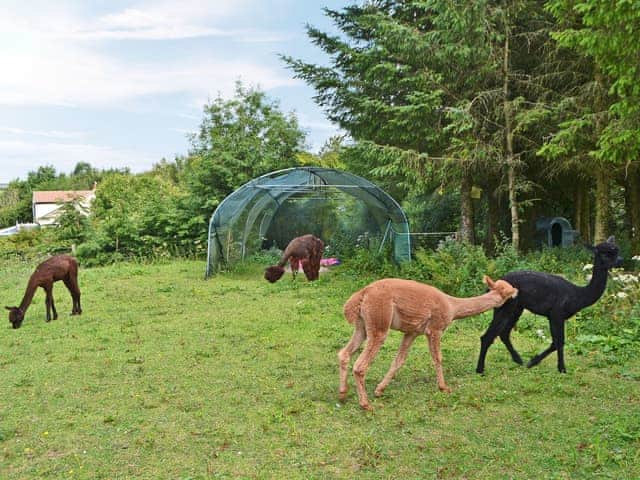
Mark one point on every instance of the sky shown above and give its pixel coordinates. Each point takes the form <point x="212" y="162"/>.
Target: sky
<point x="121" y="83"/>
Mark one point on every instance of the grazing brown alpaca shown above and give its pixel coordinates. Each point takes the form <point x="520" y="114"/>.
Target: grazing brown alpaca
<point x="59" y="267"/>
<point x="306" y="250"/>
<point x="413" y="308"/>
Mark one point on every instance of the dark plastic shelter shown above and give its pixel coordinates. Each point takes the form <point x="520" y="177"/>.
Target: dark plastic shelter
<point x="238" y="226"/>
<point x="555" y="232"/>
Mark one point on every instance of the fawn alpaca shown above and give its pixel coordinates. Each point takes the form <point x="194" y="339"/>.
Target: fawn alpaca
<point x="413" y="308"/>
<point x="306" y="250"/>
<point x="59" y="267"/>
<point x="551" y="296"/>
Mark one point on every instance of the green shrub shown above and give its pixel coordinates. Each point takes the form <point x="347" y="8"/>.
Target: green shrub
<point x="454" y="267"/>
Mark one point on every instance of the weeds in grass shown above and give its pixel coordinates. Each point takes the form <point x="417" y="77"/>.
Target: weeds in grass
<point x="168" y="376"/>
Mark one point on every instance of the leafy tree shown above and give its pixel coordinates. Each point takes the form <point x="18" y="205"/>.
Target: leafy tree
<point x="239" y="139"/>
<point x="607" y="33"/>
<point x="133" y="214"/>
<point x="73" y="222"/>
<point x="434" y="93"/>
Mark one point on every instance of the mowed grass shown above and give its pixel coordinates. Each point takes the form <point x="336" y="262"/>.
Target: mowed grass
<point x="166" y="375"/>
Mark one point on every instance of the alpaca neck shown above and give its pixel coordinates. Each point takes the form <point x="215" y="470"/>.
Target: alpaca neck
<point x="28" y="295"/>
<point x="589" y="294"/>
<point x="466" y="307"/>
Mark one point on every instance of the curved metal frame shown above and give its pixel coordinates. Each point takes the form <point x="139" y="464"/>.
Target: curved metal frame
<point x="382" y="199"/>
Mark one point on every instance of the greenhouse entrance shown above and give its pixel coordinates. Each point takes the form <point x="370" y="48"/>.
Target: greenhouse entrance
<point x="341" y="208"/>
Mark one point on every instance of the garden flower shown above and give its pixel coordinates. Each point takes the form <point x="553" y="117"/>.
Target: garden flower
<point x="588" y="266"/>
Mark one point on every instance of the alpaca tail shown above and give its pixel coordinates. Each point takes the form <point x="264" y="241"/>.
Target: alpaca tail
<point x="351" y="308"/>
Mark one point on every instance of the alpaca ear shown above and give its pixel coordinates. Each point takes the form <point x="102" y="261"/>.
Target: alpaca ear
<point x="611" y="240"/>
<point x="9" y="308"/>
<point x="488" y="282"/>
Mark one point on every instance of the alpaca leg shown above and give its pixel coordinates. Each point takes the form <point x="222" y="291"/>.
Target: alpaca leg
<point x="403" y="351"/>
<point x="436" y="355"/>
<point x="311" y="269"/>
<point x="77" y="292"/>
<point x="75" y="295"/>
<point x="501" y="317"/>
<point x="557" y="343"/>
<point x="505" y="337"/>
<point x="557" y="331"/>
<point x="541" y="356"/>
<point x="361" y="366"/>
<point x="344" y="356"/>
<point x="295" y="265"/>
<point x="47" y="302"/>
<point x="53" y="307"/>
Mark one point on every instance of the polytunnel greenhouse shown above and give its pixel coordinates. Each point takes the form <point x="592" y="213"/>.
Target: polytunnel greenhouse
<point x="341" y="208"/>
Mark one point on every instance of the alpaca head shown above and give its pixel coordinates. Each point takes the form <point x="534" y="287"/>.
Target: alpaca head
<point x="15" y="316"/>
<point x="502" y="288"/>
<point x="273" y="273"/>
<point x="606" y="254"/>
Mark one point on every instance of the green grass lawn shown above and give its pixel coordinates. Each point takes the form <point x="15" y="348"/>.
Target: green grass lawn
<point x="166" y="375"/>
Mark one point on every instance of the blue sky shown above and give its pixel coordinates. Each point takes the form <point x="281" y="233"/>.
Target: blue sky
<point x="121" y="83"/>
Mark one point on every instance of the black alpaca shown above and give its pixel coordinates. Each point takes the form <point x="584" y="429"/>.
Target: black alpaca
<point x="551" y="296"/>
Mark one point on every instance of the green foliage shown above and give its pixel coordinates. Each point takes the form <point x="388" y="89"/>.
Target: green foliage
<point x="168" y="376"/>
<point x="608" y="32"/>
<point x="15" y="202"/>
<point x="612" y="325"/>
<point x="133" y="216"/>
<point x="73" y="223"/>
<point x="239" y="139"/>
<point x="454" y="267"/>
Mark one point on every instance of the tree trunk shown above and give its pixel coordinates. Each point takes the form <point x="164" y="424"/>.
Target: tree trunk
<point x="632" y="198"/>
<point x="578" y="207"/>
<point x="467" y="224"/>
<point x="603" y="213"/>
<point x="492" y="221"/>
<point x="510" y="158"/>
<point x="582" y="212"/>
<point x="602" y="170"/>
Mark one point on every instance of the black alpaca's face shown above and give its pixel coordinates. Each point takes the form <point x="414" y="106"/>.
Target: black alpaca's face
<point x="608" y="254"/>
<point x="15" y="316"/>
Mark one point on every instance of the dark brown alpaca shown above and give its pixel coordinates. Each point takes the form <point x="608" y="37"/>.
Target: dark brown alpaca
<point x="306" y="250"/>
<point x="59" y="267"/>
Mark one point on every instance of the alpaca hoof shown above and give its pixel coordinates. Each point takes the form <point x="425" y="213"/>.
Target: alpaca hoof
<point x="445" y="389"/>
<point x="562" y="370"/>
<point x="342" y="396"/>
<point x="366" y="407"/>
<point x="532" y="363"/>
<point x="480" y="370"/>
<point x="518" y="360"/>
<point x="378" y="392"/>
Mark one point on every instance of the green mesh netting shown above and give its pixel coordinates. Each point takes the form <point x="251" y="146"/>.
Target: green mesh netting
<point x="336" y="206"/>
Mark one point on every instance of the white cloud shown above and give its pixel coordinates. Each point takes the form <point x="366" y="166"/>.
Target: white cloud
<point x="142" y="20"/>
<point x="59" y="134"/>
<point x="51" y="57"/>
<point x="20" y="156"/>
<point x="71" y="76"/>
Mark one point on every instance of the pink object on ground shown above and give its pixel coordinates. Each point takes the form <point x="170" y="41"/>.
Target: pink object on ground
<point x="329" y="262"/>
